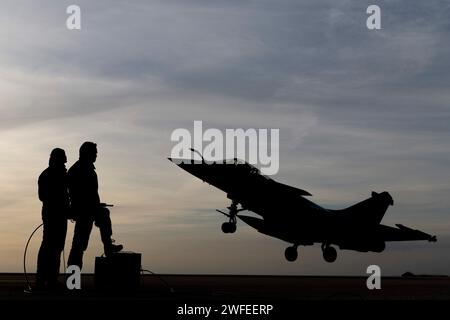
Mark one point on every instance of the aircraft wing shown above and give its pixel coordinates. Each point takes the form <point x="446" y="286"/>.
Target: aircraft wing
<point x="402" y="233"/>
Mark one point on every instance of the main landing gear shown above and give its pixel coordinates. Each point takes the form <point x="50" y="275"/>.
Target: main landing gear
<point x="329" y="253"/>
<point x="230" y="226"/>
<point x="291" y="253"/>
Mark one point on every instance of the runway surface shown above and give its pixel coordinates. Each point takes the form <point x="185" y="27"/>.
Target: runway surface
<point x="229" y="297"/>
<point x="218" y="288"/>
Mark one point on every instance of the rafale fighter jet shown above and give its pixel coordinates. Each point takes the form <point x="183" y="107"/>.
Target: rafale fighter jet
<point x="289" y="216"/>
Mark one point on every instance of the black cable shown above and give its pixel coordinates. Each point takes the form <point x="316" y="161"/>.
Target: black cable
<point x="64" y="261"/>
<point x="25" y="258"/>
<point x="160" y="278"/>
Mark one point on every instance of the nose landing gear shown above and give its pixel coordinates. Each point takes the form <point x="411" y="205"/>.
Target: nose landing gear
<point x="230" y="226"/>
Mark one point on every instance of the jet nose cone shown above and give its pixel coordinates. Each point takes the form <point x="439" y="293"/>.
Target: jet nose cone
<point x="177" y="161"/>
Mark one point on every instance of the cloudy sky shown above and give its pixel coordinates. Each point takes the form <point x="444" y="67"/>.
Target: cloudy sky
<point x="358" y="110"/>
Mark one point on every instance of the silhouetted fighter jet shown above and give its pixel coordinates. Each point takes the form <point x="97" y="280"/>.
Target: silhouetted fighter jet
<point x="289" y="216"/>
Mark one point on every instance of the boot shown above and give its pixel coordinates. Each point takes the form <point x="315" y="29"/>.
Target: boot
<point x="111" y="248"/>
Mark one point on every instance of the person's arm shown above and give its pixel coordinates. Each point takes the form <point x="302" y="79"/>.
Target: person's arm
<point x="43" y="187"/>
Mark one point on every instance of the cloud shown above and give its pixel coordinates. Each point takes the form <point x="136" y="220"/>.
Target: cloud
<point x="357" y="111"/>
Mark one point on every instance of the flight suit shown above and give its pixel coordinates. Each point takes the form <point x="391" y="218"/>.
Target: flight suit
<point x="52" y="189"/>
<point x="87" y="210"/>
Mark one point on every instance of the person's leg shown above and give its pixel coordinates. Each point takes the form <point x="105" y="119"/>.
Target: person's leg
<point x="103" y="222"/>
<point x="42" y="261"/>
<point x="40" y="271"/>
<point x="83" y="227"/>
<point x="58" y="241"/>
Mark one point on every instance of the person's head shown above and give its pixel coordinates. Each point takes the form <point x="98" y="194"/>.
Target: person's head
<point x="57" y="158"/>
<point x="88" y="152"/>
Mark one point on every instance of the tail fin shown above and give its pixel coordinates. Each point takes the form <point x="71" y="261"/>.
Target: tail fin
<point x="372" y="210"/>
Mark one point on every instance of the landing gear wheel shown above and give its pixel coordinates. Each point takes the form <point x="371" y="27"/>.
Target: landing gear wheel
<point x="225" y="227"/>
<point x="291" y="254"/>
<point x="228" y="227"/>
<point x="329" y="254"/>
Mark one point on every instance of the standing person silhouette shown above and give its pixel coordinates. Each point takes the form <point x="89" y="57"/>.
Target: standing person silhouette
<point x="86" y="206"/>
<point x="52" y="190"/>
